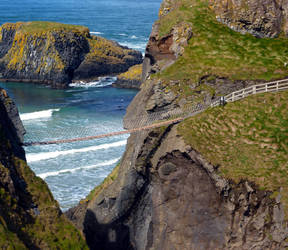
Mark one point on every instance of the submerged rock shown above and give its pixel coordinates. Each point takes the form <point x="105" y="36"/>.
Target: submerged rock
<point x="56" y="54"/>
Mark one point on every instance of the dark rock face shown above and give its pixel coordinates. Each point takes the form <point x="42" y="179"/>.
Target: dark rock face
<point x="11" y="123"/>
<point x="166" y="195"/>
<point x="30" y="217"/>
<point x="103" y="66"/>
<point x="127" y="84"/>
<point x="171" y="198"/>
<point x="266" y="18"/>
<point x="56" y="56"/>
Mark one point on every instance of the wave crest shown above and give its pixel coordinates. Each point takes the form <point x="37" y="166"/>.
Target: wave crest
<point x="32" y="157"/>
<point x="72" y="170"/>
<point x="103" y="82"/>
<point x="38" y="115"/>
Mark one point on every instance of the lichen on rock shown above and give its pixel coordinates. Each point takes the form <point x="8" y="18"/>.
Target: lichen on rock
<point x="56" y="54"/>
<point x="130" y="79"/>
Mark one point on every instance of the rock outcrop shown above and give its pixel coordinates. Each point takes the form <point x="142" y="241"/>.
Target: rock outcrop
<point x="168" y="194"/>
<point x="30" y="218"/>
<point x="56" y="54"/>
<point x="130" y="79"/>
<point x="260" y="18"/>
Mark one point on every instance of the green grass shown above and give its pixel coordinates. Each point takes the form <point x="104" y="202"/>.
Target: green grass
<point x="215" y="50"/>
<point x="40" y="26"/>
<point x="247" y="139"/>
<point x="50" y="229"/>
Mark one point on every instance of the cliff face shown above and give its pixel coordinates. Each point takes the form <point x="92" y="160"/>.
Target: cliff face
<point x="214" y="181"/>
<point x="260" y="18"/>
<point x="30" y="218"/>
<point x="56" y="54"/>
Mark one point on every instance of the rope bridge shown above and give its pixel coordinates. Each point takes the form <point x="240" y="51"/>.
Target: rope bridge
<point x="163" y="118"/>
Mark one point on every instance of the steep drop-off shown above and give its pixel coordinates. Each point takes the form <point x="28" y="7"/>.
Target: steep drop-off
<point x="56" y="54"/>
<point x="214" y="181"/>
<point x="30" y="218"/>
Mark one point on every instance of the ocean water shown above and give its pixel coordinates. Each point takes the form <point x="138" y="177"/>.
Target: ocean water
<point x="72" y="170"/>
<point x="127" y="21"/>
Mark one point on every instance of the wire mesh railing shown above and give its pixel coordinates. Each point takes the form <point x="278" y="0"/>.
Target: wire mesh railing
<point x="157" y="119"/>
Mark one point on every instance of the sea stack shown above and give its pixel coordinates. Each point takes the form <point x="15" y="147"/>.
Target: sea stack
<point x="56" y="54"/>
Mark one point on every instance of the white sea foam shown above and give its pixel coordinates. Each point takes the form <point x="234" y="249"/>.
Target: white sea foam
<point x="122" y="34"/>
<point x="72" y="170"/>
<point x="103" y="82"/>
<point x="134" y="37"/>
<point x="137" y="46"/>
<point x="32" y="157"/>
<point x="95" y="33"/>
<point x="38" y="115"/>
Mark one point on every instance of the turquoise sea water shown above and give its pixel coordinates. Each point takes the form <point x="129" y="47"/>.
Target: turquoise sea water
<point x="72" y="170"/>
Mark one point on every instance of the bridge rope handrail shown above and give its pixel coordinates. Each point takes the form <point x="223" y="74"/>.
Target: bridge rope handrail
<point x="146" y="122"/>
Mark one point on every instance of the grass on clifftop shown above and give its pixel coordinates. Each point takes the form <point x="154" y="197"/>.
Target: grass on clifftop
<point x="216" y="50"/>
<point x="133" y="73"/>
<point x="247" y="139"/>
<point x="42" y="26"/>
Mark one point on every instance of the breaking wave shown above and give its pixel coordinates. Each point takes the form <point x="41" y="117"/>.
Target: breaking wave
<point x="38" y="115"/>
<point x="72" y="170"/>
<point x="32" y="157"/>
<point x="96" y="33"/>
<point x="103" y="82"/>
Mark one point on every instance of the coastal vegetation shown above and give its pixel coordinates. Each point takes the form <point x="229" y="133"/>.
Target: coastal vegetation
<point x="245" y="140"/>
<point x="216" y="51"/>
<point x="134" y="73"/>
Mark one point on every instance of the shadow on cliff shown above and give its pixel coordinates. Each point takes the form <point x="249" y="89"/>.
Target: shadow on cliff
<point x="114" y="236"/>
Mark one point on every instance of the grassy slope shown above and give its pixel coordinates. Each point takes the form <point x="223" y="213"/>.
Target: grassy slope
<point x="216" y="50"/>
<point x="247" y="139"/>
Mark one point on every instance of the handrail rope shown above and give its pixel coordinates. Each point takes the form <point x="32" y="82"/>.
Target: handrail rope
<point x="145" y="122"/>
